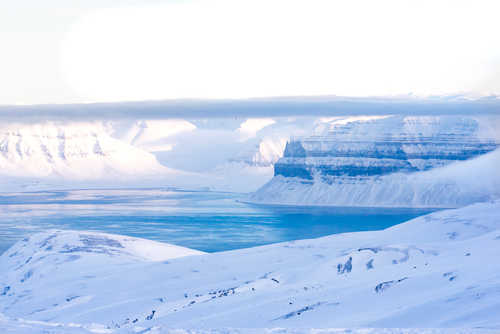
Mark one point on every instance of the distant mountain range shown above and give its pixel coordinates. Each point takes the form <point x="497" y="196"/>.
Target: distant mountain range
<point x="418" y="161"/>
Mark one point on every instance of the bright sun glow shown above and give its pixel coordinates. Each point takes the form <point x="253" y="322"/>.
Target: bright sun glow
<point x="235" y="48"/>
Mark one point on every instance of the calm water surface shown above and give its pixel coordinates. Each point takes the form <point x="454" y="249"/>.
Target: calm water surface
<point x="207" y="221"/>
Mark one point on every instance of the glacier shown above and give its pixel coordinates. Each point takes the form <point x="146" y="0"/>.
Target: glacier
<point x="438" y="271"/>
<point x="398" y="161"/>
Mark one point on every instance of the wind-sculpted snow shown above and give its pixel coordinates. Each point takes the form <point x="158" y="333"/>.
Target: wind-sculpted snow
<point x="22" y="326"/>
<point x="436" y="271"/>
<point x="385" y="161"/>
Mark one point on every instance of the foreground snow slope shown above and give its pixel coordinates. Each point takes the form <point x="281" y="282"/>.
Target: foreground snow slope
<point x="439" y="270"/>
<point x="21" y="326"/>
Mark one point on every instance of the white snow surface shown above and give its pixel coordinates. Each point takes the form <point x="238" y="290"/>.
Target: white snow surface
<point x="437" y="271"/>
<point x="153" y="135"/>
<point x="220" y="154"/>
<point x="76" y="151"/>
<point x="228" y="154"/>
<point x="455" y="185"/>
<point x="388" y="162"/>
<point x="21" y="326"/>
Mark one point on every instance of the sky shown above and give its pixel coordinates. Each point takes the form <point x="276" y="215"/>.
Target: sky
<point x="80" y="51"/>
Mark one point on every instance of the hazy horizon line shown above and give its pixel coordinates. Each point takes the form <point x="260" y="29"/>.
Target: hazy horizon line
<point x="279" y="106"/>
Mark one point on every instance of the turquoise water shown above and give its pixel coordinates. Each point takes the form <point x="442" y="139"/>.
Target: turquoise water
<point x="207" y="221"/>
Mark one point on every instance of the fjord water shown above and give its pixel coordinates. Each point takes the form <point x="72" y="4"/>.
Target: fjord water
<point x="203" y="220"/>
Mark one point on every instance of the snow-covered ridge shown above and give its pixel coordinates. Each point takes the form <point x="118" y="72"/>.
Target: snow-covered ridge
<point x="72" y="252"/>
<point x="76" y="151"/>
<point x="438" y="270"/>
<point x="385" y="161"/>
<point x="222" y="154"/>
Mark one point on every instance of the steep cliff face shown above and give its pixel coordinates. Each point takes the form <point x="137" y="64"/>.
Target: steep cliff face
<point x="379" y="161"/>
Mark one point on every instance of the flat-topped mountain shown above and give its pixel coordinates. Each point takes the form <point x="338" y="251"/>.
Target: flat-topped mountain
<point x="76" y="151"/>
<point x="369" y="161"/>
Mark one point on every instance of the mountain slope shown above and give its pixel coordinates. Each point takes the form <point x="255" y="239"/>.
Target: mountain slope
<point x="223" y="154"/>
<point x="77" y="151"/>
<point x="387" y="161"/>
<point x="439" y="270"/>
<point x="55" y="155"/>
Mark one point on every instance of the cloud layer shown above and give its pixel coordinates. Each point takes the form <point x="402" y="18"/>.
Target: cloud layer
<point x="255" y="108"/>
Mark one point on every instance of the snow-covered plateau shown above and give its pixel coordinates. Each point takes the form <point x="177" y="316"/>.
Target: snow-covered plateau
<point x="396" y="161"/>
<point x="437" y="271"/>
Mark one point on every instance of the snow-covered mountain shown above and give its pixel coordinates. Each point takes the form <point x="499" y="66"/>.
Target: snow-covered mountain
<point x="388" y="161"/>
<point x="81" y="151"/>
<point x="438" y="270"/>
<point x="151" y="135"/>
<point x="249" y="141"/>
<point x="376" y="159"/>
<point x="226" y="153"/>
<point x="222" y="154"/>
